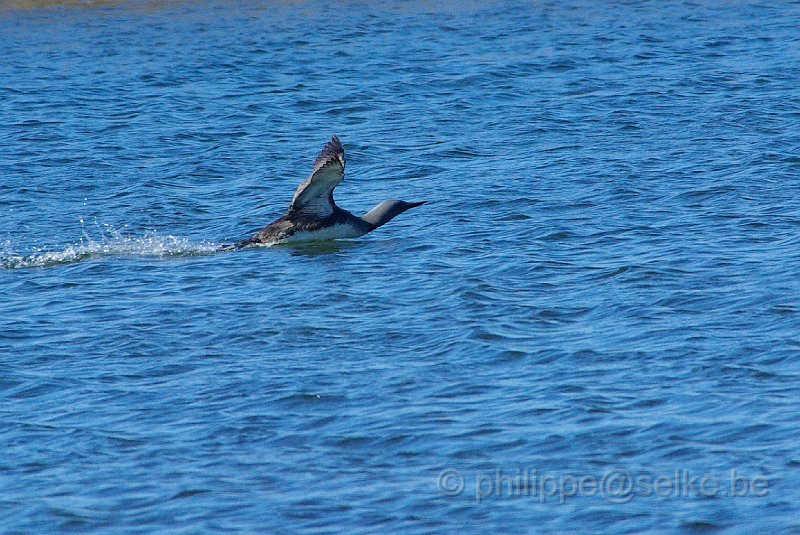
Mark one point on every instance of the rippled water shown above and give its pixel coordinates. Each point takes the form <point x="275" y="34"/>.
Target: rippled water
<point x="603" y="283"/>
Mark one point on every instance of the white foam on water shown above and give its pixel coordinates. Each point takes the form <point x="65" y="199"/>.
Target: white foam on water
<point x="111" y="243"/>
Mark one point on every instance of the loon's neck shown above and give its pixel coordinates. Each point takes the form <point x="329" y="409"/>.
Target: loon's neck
<point x="386" y="211"/>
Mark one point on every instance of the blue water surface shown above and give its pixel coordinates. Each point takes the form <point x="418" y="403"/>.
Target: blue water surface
<point x="603" y="286"/>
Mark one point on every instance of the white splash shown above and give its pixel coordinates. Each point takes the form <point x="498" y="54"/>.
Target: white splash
<point x="111" y="243"/>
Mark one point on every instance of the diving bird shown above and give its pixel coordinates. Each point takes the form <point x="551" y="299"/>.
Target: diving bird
<point x="313" y="214"/>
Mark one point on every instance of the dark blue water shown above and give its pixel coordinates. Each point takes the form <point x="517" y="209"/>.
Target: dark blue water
<point x="600" y="298"/>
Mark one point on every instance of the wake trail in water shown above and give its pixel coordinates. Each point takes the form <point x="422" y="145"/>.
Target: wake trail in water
<point x="149" y="245"/>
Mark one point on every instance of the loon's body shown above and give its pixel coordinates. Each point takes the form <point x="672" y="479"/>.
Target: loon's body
<point x="313" y="214"/>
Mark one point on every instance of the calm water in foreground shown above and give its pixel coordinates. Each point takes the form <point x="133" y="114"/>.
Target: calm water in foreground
<point x="592" y="326"/>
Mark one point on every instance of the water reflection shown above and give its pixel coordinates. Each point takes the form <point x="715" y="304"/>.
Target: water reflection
<point x="319" y="248"/>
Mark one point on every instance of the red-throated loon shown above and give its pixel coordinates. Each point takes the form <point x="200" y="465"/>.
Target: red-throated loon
<point x="313" y="215"/>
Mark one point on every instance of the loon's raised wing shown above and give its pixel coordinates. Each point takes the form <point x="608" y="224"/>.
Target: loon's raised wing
<point x="314" y="197"/>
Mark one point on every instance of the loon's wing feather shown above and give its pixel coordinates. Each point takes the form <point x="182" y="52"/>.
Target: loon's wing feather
<point x="314" y="197"/>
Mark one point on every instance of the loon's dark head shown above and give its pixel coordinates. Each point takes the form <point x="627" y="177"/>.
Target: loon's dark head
<point x="388" y="210"/>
